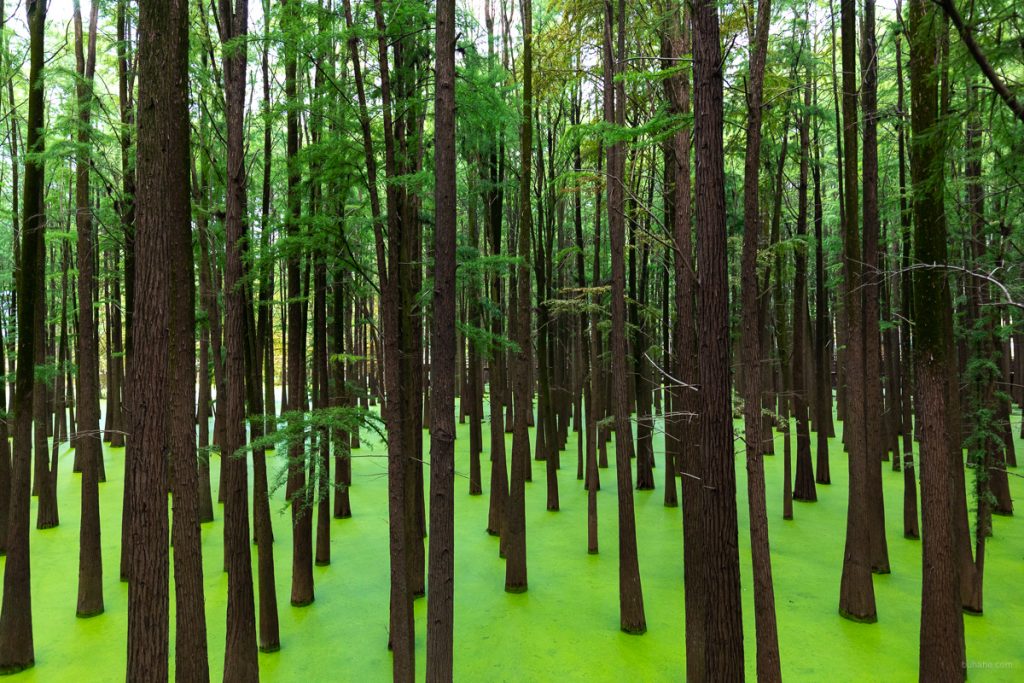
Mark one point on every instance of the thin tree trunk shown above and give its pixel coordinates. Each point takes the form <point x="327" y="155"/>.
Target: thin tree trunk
<point x="514" y="526"/>
<point x="240" y="655"/>
<point x="631" y="605"/>
<point x="872" y="415"/>
<point x="718" y="570"/>
<point x="17" y="651"/>
<point x="441" y="599"/>
<point x="90" y="564"/>
<point x="768" y="661"/>
<point x="856" y="593"/>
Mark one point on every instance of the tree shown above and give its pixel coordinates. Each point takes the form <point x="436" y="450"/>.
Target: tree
<point x="88" y="444"/>
<point x="718" y="571"/>
<point x="441" y="598"/>
<point x="768" y="663"/>
<point x="631" y="601"/>
<point x="856" y="592"/>
<point x="161" y="388"/>
<point x="17" y="650"/>
<point x="942" y="654"/>
<point x="514" y="526"/>
<point x="240" y="656"/>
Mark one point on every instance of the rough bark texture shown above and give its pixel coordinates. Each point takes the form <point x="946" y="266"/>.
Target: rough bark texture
<point x="942" y="653"/>
<point x="402" y="633"/>
<point x="302" y="539"/>
<point x="911" y="528"/>
<point x="856" y="592"/>
<point x="163" y="224"/>
<point x="681" y="422"/>
<point x="17" y="651"/>
<point x="768" y="662"/>
<point x="719" y="568"/>
<point x="514" y="527"/>
<point x="240" y="654"/>
<point x="804" y="488"/>
<point x="873" y="443"/>
<point x="441" y="572"/>
<point x="631" y="604"/>
<point x="87" y="444"/>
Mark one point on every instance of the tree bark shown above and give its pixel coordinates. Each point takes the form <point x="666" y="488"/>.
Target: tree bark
<point x="441" y="577"/>
<point x="942" y="652"/>
<point x="631" y="605"/>
<point x="160" y="382"/>
<point x="718" y="571"/>
<point x="768" y="661"/>
<point x="514" y="526"/>
<point x="874" y="445"/>
<point x="90" y="566"/>
<point x="240" y="654"/>
<point x="856" y="593"/>
<point x="17" y="650"/>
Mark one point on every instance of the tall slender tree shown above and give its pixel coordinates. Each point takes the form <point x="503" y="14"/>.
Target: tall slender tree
<point x="942" y="651"/>
<point x="240" y="655"/>
<point x="631" y="602"/>
<point x="768" y="660"/>
<point x="17" y="649"/>
<point x="514" y="527"/>
<point x="857" y="592"/>
<point x="441" y="577"/>
<point x="719" y="570"/>
<point x="88" y="444"/>
<point x="161" y="381"/>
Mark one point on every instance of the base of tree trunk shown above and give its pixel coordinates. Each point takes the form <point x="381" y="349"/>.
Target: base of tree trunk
<point x="9" y="669"/>
<point x="869" y="619"/>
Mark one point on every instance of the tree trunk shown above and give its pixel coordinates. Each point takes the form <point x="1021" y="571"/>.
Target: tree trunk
<point x="910" y="523"/>
<point x="631" y="604"/>
<point x="942" y="652"/>
<point x="856" y="593"/>
<point x="514" y="526"/>
<point x="90" y="564"/>
<point x="16" y="645"/>
<point x="718" y="570"/>
<point x="804" y="488"/>
<point x="240" y="654"/>
<point x="161" y="386"/>
<point x="768" y="662"/>
<point x="441" y="599"/>
<point x="873" y="431"/>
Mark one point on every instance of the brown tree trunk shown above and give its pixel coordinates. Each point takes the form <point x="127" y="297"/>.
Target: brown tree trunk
<point x="302" y="539"/>
<point x="203" y="418"/>
<point x="17" y="651"/>
<point x="910" y="523"/>
<point x="718" y="570"/>
<point x="631" y="603"/>
<point x="125" y="81"/>
<point x="856" y="593"/>
<point x="90" y="565"/>
<point x="768" y="661"/>
<point x="161" y="384"/>
<point x="441" y="599"/>
<point x="873" y="431"/>
<point x="45" y="484"/>
<point x="804" y="488"/>
<point x="494" y="198"/>
<point x="942" y="652"/>
<point x="240" y="654"/>
<point x="402" y="633"/>
<point x="514" y="525"/>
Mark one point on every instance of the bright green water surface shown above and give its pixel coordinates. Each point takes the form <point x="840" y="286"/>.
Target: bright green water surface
<point x="566" y="627"/>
